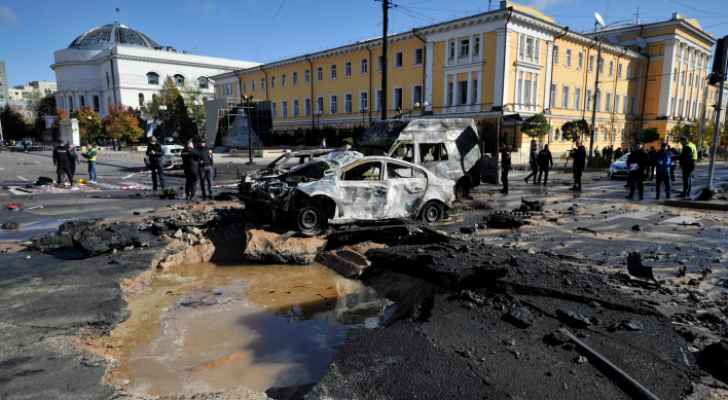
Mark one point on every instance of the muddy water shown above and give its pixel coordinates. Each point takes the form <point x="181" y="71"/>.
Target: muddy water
<point x="203" y="328"/>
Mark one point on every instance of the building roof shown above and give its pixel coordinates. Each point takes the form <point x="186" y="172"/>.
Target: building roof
<point x="109" y="35"/>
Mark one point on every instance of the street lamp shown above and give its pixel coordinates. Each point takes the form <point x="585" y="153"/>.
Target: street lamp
<point x="245" y="101"/>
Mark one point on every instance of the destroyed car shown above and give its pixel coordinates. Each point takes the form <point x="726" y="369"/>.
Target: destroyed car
<point x="449" y="147"/>
<point x="363" y="189"/>
<point x="171" y="156"/>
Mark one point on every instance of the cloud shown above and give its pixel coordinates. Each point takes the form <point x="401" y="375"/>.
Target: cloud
<point x="545" y="4"/>
<point x="7" y="15"/>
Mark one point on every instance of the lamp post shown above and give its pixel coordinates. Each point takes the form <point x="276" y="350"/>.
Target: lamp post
<point x="245" y="106"/>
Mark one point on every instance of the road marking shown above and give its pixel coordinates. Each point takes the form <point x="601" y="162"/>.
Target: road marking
<point x="128" y="176"/>
<point x="22" y="178"/>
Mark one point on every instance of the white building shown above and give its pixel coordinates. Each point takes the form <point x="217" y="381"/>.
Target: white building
<point x="116" y="65"/>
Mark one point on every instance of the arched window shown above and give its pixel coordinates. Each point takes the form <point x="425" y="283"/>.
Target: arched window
<point x="152" y="78"/>
<point x="141" y="99"/>
<point x="203" y="82"/>
<point x="179" y="80"/>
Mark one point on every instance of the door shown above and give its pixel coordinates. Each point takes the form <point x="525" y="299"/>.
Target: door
<point x="406" y="187"/>
<point x="363" y="192"/>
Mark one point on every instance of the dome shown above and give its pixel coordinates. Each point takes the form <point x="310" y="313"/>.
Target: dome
<point x="110" y="35"/>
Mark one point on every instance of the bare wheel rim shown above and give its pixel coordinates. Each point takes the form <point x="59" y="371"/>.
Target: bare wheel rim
<point x="432" y="213"/>
<point x="309" y="218"/>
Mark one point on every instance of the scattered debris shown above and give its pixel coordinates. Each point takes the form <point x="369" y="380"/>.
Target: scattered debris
<point x="574" y="319"/>
<point x="636" y="268"/>
<point x="587" y="230"/>
<point x="43" y="180"/>
<point x="530" y="206"/>
<point x="286" y="248"/>
<point x="10" y="226"/>
<point x="636" y="228"/>
<point x="168" y="194"/>
<point x="14" y="206"/>
<point x="714" y="359"/>
<point x="504" y="220"/>
<point x="520" y="317"/>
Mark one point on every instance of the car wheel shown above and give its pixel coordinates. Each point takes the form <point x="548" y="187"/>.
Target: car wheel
<point x="433" y="212"/>
<point x="310" y="220"/>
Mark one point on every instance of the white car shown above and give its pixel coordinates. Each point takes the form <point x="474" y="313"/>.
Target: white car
<point x="171" y="156"/>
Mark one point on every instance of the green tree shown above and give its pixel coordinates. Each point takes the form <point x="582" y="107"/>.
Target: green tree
<point x="682" y="130"/>
<point x="90" y="124"/>
<point x="574" y="130"/>
<point x="14" y="126"/>
<point x="185" y="126"/>
<point x="195" y="107"/>
<point x="123" y="125"/>
<point x="648" y="135"/>
<point x="536" y="126"/>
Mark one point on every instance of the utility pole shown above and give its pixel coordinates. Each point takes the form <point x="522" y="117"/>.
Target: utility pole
<point x="594" y="102"/>
<point x="718" y="74"/>
<point x="385" y="45"/>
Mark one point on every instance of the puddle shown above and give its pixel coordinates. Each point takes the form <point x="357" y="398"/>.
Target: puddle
<point x="27" y="231"/>
<point x="204" y="328"/>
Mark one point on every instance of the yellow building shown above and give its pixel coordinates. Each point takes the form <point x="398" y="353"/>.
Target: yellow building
<point x="513" y="60"/>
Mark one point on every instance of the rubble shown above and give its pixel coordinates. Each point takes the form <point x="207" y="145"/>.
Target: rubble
<point x="714" y="359"/>
<point x="349" y="261"/>
<point x="636" y="268"/>
<point x="264" y="246"/>
<point x="504" y="220"/>
<point x="10" y="226"/>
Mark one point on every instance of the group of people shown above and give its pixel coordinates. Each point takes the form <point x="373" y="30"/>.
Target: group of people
<point x="540" y="162"/>
<point x="660" y="166"/>
<point x="197" y="164"/>
<point x="65" y="159"/>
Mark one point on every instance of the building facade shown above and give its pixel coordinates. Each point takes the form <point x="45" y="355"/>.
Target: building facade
<point x="114" y="65"/>
<point x="514" y="60"/>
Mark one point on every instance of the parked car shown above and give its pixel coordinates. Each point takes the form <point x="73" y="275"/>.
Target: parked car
<point x="171" y="156"/>
<point x="448" y="147"/>
<point x="359" y="189"/>
<point x="618" y="169"/>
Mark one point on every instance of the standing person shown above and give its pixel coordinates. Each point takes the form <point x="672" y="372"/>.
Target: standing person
<point x="618" y="153"/>
<point x="155" y="162"/>
<point x="579" y="154"/>
<point x="675" y="155"/>
<point x="545" y="162"/>
<point x="189" y="166"/>
<point x="90" y="154"/>
<point x="505" y="168"/>
<point x="73" y="156"/>
<point x="688" y="158"/>
<point x="205" y="164"/>
<point x="663" y="163"/>
<point x="652" y="163"/>
<point x="637" y="162"/>
<point x="62" y="161"/>
<point x="533" y="162"/>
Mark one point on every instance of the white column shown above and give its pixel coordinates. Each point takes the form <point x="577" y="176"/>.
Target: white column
<point x="428" y="72"/>
<point x="502" y="81"/>
<point x="547" y="80"/>
<point x="668" y="67"/>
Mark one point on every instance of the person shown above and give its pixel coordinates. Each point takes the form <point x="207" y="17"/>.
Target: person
<point x="155" y="158"/>
<point x="688" y="158"/>
<point x="505" y="168"/>
<point x="675" y="155"/>
<point x="90" y="153"/>
<point x="205" y="164"/>
<point x="62" y="161"/>
<point x="190" y="169"/>
<point x="637" y="162"/>
<point x="533" y="162"/>
<point x="545" y="162"/>
<point x="663" y="165"/>
<point x="618" y="153"/>
<point x="651" y="163"/>
<point x="74" y="158"/>
<point x="579" y="155"/>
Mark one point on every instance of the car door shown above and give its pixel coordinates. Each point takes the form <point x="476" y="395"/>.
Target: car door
<point x="363" y="192"/>
<point x="406" y="187"/>
<point x="435" y="157"/>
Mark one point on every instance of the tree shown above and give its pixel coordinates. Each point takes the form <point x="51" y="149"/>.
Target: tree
<point x="682" y="130"/>
<point x="195" y="107"/>
<point x="536" y="126"/>
<point x="186" y="128"/>
<point x="90" y="125"/>
<point x="122" y="124"/>
<point x="648" y="135"/>
<point x="574" y="130"/>
<point x="14" y="126"/>
<point x="166" y="97"/>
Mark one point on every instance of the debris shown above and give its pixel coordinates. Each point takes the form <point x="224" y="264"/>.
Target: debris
<point x="288" y="249"/>
<point x="714" y="359"/>
<point x="683" y="221"/>
<point x="588" y="230"/>
<point x="10" y="226"/>
<point x="14" y="206"/>
<point x="573" y="319"/>
<point x="636" y="228"/>
<point x="530" y="205"/>
<point x="347" y="263"/>
<point x="636" y="268"/>
<point x="627" y="325"/>
<point x="43" y="180"/>
<point x="520" y="317"/>
<point x="168" y="194"/>
<point x="500" y="220"/>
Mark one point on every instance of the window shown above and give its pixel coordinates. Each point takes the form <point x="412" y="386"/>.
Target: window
<point x="634" y="105"/>
<point x="682" y="78"/>
<point x="581" y="60"/>
<point x="608" y="105"/>
<point x="307" y="107"/>
<point x="347" y="68"/>
<point x="619" y="71"/>
<point x="320" y="105"/>
<point x="556" y="55"/>
<point x="70" y="103"/>
<point x="404" y="151"/>
<point x="320" y="73"/>
<point x="380" y="100"/>
<point x="433" y="152"/>
<point x="380" y="63"/>
<point x="600" y="65"/>
<point x="295" y="78"/>
<point x="152" y="78"/>
<point x="591" y="63"/>
<point x="203" y="82"/>
<point x="108" y="83"/>
<point x="252" y="85"/>
<point x="307" y="76"/>
<point x="347" y="104"/>
<point x="141" y="100"/>
<point x="273" y="110"/>
<point x="244" y="88"/>
<point x="474" y="92"/>
<point x="370" y="171"/>
<point x="589" y="99"/>
<point x="399" y="171"/>
<point x="451" y="51"/>
<point x="296" y="108"/>
<point x="565" y="97"/>
<point x="625" y="109"/>
<point x="398" y="99"/>
<point x="284" y="78"/>
<point x="398" y="59"/>
<point x="417" y="95"/>
<point x="450" y="94"/>
<point x="179" y="80"/>
<point x="272" y="82"/>
<point x="552" y="95"/>
<point x="97" y="104"/>
<point x="476" y="46"/>
<point x="528" y="48"/>
<point x="364" y="66"/>
<point x="598" y="101"/>
<point x="334" y="105"/>
<point x="419" y="56"/>
<point x="568" y="58"/>
<point x="363" y="101"/>
<point x="228" y="89"/>
<point x="262" y="84"/>
<point x="616" y="103"/>
<point x="611" y="68"/>
<point x="462" y="92"/>
<point x="284" y="109"/>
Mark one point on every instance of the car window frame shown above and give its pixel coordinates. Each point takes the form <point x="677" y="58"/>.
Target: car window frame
<point x="359" y="164"/>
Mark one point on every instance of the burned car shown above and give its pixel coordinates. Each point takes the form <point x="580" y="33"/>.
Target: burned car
<point x="363" y="189"/>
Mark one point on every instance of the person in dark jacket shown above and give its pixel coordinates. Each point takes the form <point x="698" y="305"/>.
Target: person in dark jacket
<point x="505" y="168"/>
<point x="637" y="163"/>
<point x="155" y="157"/>
<point x="545" y="162"/>
<point x="205" y="168"/>
<point x="651" y="163"/>
<point x="688" y="158"/>
<point x="63" y="162"/>
<point x="533" y="162"/>
<point x="579" y="155"/>
<point x="663" y="165"/>
<point x="189" y="166"/>
<point x="74" y="158"/>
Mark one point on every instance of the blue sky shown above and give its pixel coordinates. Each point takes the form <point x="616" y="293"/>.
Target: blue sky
<point x="267" y="30"/>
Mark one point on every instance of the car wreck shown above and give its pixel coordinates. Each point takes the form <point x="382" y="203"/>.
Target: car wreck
<point x="343" y="186"/>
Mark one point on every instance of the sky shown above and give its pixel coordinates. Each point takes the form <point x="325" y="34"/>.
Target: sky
<point x="268" y="30"/>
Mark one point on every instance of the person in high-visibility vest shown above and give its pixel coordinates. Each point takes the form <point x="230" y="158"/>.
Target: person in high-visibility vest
<point x="688" y="158"/>
<point x="90" y="154"/>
